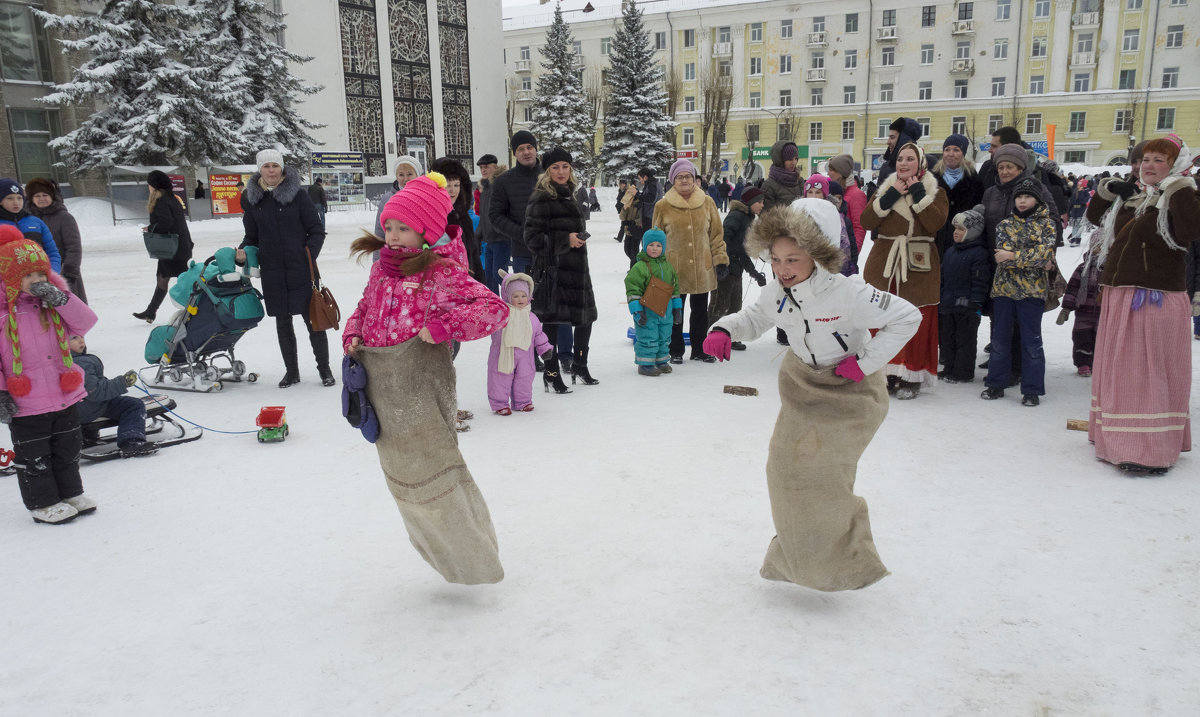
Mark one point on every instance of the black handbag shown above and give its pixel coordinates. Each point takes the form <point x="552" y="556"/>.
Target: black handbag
<point x="161" y="246"/>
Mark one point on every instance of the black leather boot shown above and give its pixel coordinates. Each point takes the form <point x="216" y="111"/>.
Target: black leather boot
<point x="551" y="378"/>
<point x="152" y="309"/>
<point x="320" y="347"/>
<point x="579" y="369"/>
<point x="287" y="347"/>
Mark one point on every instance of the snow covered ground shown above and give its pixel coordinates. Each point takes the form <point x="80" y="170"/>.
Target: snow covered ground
<point x="229" y="577"/>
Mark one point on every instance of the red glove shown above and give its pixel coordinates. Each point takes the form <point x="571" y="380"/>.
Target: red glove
<point x="848" y="368"/>
<point x="718" y="344"/>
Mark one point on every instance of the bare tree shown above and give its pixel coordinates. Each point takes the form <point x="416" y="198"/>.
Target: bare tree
<point x="673" y="84"/>
<point x="716" y="91"/>
<point x="510" y="111"/>
<point x="595" y="93"/>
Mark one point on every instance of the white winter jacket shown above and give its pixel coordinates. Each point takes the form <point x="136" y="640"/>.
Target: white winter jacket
<point x="827" y="317"/>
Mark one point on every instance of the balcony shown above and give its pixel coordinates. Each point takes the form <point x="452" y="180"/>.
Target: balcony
<point x="816" y="39"/>
<point x="963" y="27"/>
<point x="722" y="49"/>
<point x="521" y="66"/>
<point x="1085" y="19"/>
<point x="815" y="74"/>
<point x="524" y="95"/>
<point x="886" y="34"/>
<point x="578" y="61"/>
<point x="1083" y="59"/>
<point x="963" y="66"/>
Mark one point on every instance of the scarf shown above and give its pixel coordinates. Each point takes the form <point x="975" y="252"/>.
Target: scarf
<point x="391" y="259"/>
<point x="952" y="176"/>
<point x="516" y="334"/>
<point x="783" y="176"/>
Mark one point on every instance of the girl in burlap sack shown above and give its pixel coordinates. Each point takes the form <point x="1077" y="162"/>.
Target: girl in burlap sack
<point x="832" y="392"/>
<point x="418" y="291"/>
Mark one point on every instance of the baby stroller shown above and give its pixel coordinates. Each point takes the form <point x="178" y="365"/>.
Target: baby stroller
<point x="195" y="351"/>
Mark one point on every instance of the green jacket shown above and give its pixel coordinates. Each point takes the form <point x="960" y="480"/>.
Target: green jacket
<point x="639" y="276"/>
<point x="1032" y="240"/>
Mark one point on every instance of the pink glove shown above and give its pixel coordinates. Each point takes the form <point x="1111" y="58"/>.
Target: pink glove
<point x="848" y="368"/>
<point x="718" y="344"/>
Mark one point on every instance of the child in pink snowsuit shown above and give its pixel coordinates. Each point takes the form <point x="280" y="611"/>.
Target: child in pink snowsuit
<point x="511" y="364"/>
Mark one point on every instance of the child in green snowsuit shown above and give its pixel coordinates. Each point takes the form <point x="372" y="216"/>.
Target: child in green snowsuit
<point x="651" y="352"/>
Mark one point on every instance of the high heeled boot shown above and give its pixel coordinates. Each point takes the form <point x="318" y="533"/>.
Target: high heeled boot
<point x="287" y="347"/>
<point x="551" y="378"/>
<point x="152" y="308"/>
<point x="320" y="348"/>
<point x="579" y="369"/>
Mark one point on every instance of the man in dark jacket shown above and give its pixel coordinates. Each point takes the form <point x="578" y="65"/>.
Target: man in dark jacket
<point x="647" y="196"/>
<point x="510" y="195"/>
<point x="727" y="299"/>
<point x="495" y="257"/>
<point x="900" y="133"/>
<point x="316" y="192"/>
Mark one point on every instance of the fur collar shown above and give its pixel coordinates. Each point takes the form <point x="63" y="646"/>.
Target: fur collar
<point x="695" y="201"/>
<point x="287" y="190"/>
<point x="902" y="207"/>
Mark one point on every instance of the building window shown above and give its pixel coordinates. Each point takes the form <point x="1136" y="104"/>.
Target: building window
<point x="997" y="87"/>
<point x="851" y="59"/>
<point x="958" y="124"/>
<point x="723" y="34"/>
<point x="756" y="65"/>
<point x="527" y="83"/>
<point x="31" y="131"/>
<point x="1178" y="3"/>
<point x="847" y="130"/>
<point x="1075" y="156"/>
<point x="689" y="71"/>
<point x="689" y="103"/>
<point x="1083" y="42"/>
<point x="605" y="45"/>
<point x="926" y="54"/>
<point x="1078" y="122"/>
<point x="851" y="22"/>
<point x="817" y="61"/>
<point x="529" y="114"/>
<point x="1123" y="121"/>
<point x="814" y="131"/>
<point x="784" y="132"/>
<point x="785" y="64"/>
<point x="1127" y="79"/>
<point x="849" y="94"/>
<point x="756" y="32"/>
<point x="1131" y="40"/>
<point x="816" y="96"/>
<point x="1041" y="9"/>
<point x="889" y="18"/>
<point x="689" y="137"/>
<point x="1166" y="119"/>
<point x="887" y="57"/>
<point x="577" y="47"/>
<point x="1170" y="78"/>
<point x="962" y="50"/>
<point x="925" y="91"/>
<point x="1003" y="9"/>
<point x="755" y="100"/>
<point x="1039" y="47"/>
<point x="995" y="122"/>
<point x="751" y="133"/>
<point x="785" y="29"/>
<point x="1174" y="36"/>
<point x="724" y="68"/>
<point x="966" y="11"/>
<point x="924" y="123"/>
<point x="525" y="53"/>
<point x="1033" y="123"/>
<point x="1037" y="84"/>
<point x="1000" y="49"/>
<point x="660" y="41"/>
<point x="1082" y="82"/>
<point x="689" y="38"/>
<point x="881" y="129"/>
<point x="928" y="15"/>
<point x="785" y="98"/>
<point x="885" y="92"/>
<point x="960" y="89"/>
<point x="819" y="23"/>
<point x="24" y="47"/>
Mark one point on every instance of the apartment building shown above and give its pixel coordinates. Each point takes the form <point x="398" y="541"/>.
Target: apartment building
<point x="832" y="75"/>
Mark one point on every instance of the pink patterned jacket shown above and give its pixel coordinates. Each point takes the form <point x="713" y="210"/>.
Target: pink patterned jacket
<point x="444" y="298"/>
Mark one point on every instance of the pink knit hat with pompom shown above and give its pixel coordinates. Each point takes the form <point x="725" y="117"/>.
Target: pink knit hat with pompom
<point x="422" y="205"/>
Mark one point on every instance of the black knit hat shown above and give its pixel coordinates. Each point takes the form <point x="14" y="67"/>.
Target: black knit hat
<point x="555" y="154"/>
<point x="160" y="181"/>
<point x="520" y="138"/>
<point x="1030" y="186"/>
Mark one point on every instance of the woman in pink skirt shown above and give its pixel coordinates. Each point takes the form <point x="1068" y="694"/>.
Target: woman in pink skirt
<point x="1142" y="376"/>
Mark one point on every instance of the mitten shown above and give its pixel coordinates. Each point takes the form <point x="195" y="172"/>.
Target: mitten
<point x="1124" y="190"/>
<point x="8" y="407"/>
<point x="677" y="317"/>
<point x="49" y="293"/>
<point x="640" y="318"/>
<point x="549" y="355"/>
<point x="130" y="377"/>
<point x="1062" y="317"/>
<point x="718" y="344"/>
<point x="849" y="368"/>
<point x="1196" y="305"/>
<point x="917" y="192"/>
<point x="890" y="197"/>
<point x="722" y="271"/>
<point x="759" y="278"/>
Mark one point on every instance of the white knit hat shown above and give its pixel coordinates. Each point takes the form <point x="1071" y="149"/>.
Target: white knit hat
<point x="410" y="161"/>
<point x="267" y="156"/>
<point x="824" y="214"/>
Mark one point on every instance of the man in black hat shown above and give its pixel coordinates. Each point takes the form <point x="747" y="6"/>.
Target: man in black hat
<point x="493" y="258"/>
<point x="510" y="195"/>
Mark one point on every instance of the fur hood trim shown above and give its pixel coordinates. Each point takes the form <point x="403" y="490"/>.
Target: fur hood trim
<point x="284" y="193"/>
<point x="695" y="201"/>
<point x="928" y="180"/>
<point x="800" y="226"/>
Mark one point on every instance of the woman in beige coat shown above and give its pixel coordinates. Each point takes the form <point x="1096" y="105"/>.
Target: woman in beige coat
<point x="696" y="250"/>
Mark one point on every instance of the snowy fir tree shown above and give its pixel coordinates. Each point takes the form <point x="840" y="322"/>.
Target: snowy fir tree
<point x="260" y="92"/>
<point x="148" y="75"/>
<point x="560" y="116"/>
<point x="636" y="125"/>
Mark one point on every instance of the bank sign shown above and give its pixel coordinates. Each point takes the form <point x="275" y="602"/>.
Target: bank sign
<point x="1040" y="146"/>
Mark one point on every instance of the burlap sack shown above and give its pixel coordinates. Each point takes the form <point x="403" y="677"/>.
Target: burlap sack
<point x="412" y="389"/>
<point x="823" y="534"/>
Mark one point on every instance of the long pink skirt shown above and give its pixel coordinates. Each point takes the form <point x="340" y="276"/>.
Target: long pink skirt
<point x="1142" y="380"/>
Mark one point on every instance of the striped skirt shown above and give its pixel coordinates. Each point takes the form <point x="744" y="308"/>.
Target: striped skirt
<point x="1141" y="380"/>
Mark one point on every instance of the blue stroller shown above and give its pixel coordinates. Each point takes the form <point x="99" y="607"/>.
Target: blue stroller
<point x="194" y="352"/>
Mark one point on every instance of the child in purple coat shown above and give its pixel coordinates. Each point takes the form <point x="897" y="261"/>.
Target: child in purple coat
<point x="511" y="361"/>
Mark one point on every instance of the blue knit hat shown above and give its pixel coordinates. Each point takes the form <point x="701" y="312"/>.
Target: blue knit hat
<point x="10" y="186"/>
<point x="654" y="235"/>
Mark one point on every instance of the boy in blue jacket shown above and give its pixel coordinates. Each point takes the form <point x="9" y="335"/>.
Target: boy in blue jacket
<point x="966" y="283"/>
<point x="106" y="399"/>
<point x="13" y="211"/>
